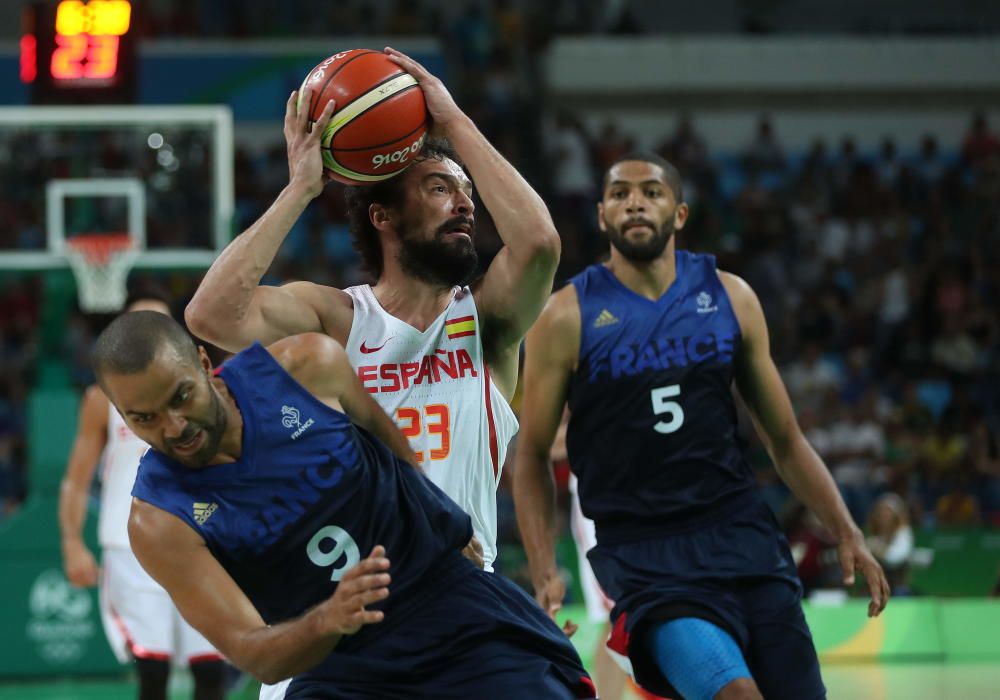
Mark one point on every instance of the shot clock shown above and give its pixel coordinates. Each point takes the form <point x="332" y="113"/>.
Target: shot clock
<point x="79" y="51"/>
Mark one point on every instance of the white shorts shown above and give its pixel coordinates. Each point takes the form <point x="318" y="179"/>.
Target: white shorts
<point x="139" y="618"/>
<point x="598" y="605"/>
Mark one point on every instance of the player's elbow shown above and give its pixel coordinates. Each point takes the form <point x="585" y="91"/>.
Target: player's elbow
<point x="547" y="246"/>
<point x="200" y="321"/>
<point x="268" y="676"/>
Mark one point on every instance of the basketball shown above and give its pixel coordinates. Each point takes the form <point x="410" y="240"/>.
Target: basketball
<point x="381" y="117"/>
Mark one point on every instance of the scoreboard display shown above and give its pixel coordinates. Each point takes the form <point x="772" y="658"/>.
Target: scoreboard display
<point x="79" y="51"/>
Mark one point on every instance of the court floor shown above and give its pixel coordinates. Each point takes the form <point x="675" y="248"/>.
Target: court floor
<point x="967" y="681"/>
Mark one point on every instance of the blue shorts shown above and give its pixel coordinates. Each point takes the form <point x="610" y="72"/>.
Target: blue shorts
<point x="738" y="574"/>
<point x="474" y="635"/>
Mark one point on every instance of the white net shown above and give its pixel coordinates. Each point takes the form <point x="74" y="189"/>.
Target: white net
<point x="101" y="269"/>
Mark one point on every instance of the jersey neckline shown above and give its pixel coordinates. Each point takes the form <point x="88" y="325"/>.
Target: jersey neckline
<point x="675" y="290"/>
<point x="403" y="324"/>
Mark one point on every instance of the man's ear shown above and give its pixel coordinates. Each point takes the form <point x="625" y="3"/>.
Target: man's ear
<point x="380" y="216"/>
<point x="206" y="361"/>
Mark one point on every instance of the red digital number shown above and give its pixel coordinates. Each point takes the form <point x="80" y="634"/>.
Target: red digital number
<point x="67" y="59"/>
<point x="102" y="58"/>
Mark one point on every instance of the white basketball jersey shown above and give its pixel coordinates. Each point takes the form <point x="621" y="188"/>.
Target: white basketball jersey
<point x="436" y="387"/>
<point x="121" y="462"/>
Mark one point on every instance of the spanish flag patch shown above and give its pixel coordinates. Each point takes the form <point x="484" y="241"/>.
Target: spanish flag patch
<point x="460" y="327"/>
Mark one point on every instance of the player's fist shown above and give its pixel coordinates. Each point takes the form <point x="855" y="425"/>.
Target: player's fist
<point x="80" y="565"/>
<point x="366" y="583"/>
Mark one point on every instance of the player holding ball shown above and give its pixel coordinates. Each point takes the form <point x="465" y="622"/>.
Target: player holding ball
<point x="436" y="350"/>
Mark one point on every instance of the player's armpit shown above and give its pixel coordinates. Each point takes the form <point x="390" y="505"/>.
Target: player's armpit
<point x="512" y="294"/>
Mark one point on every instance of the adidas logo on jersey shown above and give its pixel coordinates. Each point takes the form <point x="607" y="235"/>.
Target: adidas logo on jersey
<point x="606" y="318"/>
<point x="203" y="511"/>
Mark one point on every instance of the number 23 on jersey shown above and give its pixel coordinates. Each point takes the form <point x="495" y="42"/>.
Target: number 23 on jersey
<point x="434" y="421"/>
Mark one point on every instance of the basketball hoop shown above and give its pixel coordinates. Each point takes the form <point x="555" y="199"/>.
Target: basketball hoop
<point x="101" y="263"/>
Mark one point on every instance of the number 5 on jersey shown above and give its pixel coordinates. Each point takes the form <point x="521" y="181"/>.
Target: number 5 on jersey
<point x="435" y="420"/>
<point x="661" y="406"/>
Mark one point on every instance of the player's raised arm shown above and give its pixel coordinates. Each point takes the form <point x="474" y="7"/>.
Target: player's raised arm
<point x="91" y="438"/>
<point x="550" y="357"/>
<point x="519" y="280"/>
<point x="320" y="364"/>
<point x="230" y="308"/>
<point x="169" y="550"/>
<point x="797" y="463"/>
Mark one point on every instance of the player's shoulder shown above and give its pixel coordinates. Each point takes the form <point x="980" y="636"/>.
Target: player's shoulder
<point x="744" y="301"/>
<point x="556" y="333"/>
<point x="739" y="290"/>
<point x="310" y="358"/>
<point x="150" y="527"/>
<point x="333" y="306"/>
<point x="562" y="310"/>
<point x="95" y="404"/>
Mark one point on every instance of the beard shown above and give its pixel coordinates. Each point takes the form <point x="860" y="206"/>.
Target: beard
<point x="436" y="260"/>
<point x="645" y="250"/>
<point x="214" y="429"/>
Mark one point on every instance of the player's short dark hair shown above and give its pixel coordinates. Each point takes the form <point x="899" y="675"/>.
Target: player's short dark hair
<point x="147" y="291"/>
<point x="132" y="340"/>
<point x="669" y="171"/>
<point x="388" y="193"/>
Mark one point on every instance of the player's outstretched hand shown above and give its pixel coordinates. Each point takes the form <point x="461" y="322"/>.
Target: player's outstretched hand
<point x="305" y="163"/>
<point x="855" y="556"/>
<point x="474" y="553"/>
<point x="440" y="103"/>
<point x="550" y="596"/>
<point x="366" y="583"/>
<point x="80" y="565"/>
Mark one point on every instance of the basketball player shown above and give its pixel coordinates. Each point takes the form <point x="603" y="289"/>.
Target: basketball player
<point x="609" y="679"/>
<point x="644" y="349"/>
<point x="272" y="501"/>
<point x="140" y="621"/>
<point x="438" y="355"/>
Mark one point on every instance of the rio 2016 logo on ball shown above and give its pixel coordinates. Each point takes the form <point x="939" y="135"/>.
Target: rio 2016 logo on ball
<point x="381" y="118"/>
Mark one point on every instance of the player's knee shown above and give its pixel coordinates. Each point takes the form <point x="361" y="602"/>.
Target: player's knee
<point x="739" y="689"/>
<point x="153" y="675"/>
<point x="209" y="679"/>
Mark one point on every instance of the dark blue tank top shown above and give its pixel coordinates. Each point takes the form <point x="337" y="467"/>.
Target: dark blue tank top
<point x="309" y="496"/>
<point x="652" y="435"/>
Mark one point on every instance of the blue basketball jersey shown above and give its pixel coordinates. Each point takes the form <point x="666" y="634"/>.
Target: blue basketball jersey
<point x="310" y="495"/>
<point x="652" y="435"/>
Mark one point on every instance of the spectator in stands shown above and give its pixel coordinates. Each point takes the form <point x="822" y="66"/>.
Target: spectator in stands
<point x="979" y="144"/>
<point x="764" y="153"/>
<point x="810" y="376"/>
<point x="856" y="446"/>
<point x="984" y="451"/>
<point x="957" y="507"/>
<point x="814" y="549"/>
<point x="890" y="539"/>
<point x="930" y="165"/>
